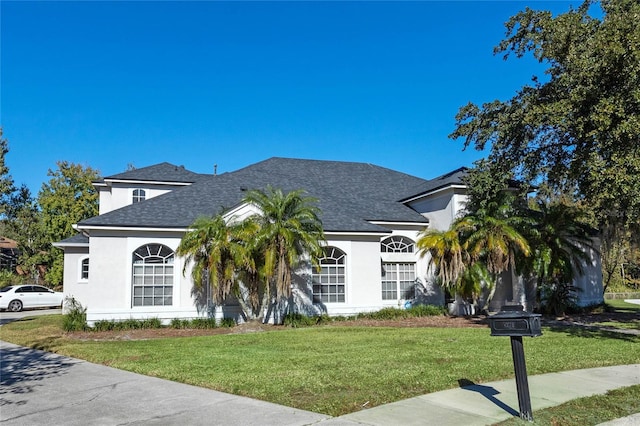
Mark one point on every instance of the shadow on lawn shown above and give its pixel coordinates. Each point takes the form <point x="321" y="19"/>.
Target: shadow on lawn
<point x="488" y="392"/>
<point x="592" y="331"/>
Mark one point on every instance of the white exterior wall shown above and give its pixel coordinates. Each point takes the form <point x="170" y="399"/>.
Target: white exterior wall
<point x="362" y="275"/>
<point x="118" y="195"/>
<point x="108" y="293"/>
<point x="590" y="282"/>
<point x="73" y="285"/>
<point x="441" y="208"/>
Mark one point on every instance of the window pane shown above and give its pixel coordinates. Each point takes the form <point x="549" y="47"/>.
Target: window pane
<point x="324" y="281"/>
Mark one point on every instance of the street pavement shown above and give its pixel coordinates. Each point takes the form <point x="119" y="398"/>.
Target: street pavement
<point x="43" y="388"/>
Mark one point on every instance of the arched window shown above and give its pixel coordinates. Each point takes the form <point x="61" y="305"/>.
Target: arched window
<point x="139" y="195"/>
<point x="84" y="269"/>
<point x="397" y="244"/>
<point x="399" y="272"/>
<point x="153" y="275"/>
<point x="329" y="283"/>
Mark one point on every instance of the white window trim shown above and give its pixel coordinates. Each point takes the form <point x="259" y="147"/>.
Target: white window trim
<point x="133" y="196"/>
<point x="80" y="261"/>
<point x="345" y="284"/>
<point x="173" y="264"/>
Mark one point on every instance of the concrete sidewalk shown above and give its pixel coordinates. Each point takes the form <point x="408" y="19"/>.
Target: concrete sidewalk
<point x="488" y="403"/>
<point x="42" y="388"/>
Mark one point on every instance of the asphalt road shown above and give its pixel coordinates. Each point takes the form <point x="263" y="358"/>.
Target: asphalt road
<point x="41" y="388"/>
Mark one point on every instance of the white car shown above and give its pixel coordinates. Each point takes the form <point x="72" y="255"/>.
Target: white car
<point x="17" y="297"/>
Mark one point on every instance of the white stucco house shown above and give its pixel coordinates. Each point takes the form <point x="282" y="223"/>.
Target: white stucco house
<point x="122" y="263"/>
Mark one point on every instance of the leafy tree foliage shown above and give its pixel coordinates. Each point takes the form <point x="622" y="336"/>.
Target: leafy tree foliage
<point x="23" y="224"/>
<point x="576" y="129"/>
<point x="6" y="182"/>
<point x="67" y="198"/>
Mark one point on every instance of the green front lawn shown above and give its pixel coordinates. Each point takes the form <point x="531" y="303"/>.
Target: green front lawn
<point x="335" y="369"/>
<point x="589" y="411"/>
<point x="620" y="305"/>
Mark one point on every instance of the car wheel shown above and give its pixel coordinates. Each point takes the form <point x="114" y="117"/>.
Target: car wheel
<point x="15" y="306"/>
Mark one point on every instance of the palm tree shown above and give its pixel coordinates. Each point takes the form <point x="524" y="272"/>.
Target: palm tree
<point x="289" y="229"/>
<point x="457" y="272"/>
<point x="492" y="234"/>
<point x="215" y="254"/>
<point x="561" y="239"/>
<point x="477" y="247"/>
<point x="447" y="254"/>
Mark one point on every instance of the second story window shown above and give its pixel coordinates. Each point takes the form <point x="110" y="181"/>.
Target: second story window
<point x="139" y="195"/>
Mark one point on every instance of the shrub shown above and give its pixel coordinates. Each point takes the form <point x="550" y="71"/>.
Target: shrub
<point x="227" y="322"/>
<point x="324" y="319"/>
<point x="104" y="325"/>
<point x="426" y="310"/>
<point x="385" y="314"/>
<point x="340" y="318"/>
<point x="75" y="318"/>
<point x="129" y="324"/>
<point x="151" y="323"/>
<point x="558" y="298"/>
<point x="296" y="320"/>
<point x="179" y="323"/>
<point x="203" y="323"/>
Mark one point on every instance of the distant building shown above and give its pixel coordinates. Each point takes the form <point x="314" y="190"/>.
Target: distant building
<point x="9" y="254"/>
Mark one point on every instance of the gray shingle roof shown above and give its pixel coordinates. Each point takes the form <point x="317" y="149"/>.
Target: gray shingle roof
<point x="163" y="172"/>
<point x="349" y="195"/>
<point x="75" y="240"/>
<point x="454" y="177"/>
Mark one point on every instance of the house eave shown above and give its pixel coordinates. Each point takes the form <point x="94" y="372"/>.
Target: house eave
<point x="433" y="192"/>
<point x="88" y="228"/>
<point x="358" y="233"/>
<point x="63" y="245"/>
<point x="147" y="182"/>
<point x="396" y="223"/>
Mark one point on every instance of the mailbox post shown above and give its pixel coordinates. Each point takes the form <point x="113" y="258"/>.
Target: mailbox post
<point x="514" y="322"/>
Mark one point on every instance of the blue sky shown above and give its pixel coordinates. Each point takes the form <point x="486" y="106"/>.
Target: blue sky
<point x="107" y="84"/>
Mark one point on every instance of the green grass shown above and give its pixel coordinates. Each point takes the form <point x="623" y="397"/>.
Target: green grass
<point x="621" y="306"/>
<point x="334" y="369"/>
<point x="587" y="411"/>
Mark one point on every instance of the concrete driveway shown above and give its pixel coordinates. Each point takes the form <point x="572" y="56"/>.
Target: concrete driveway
<point x="38" y="388"/>
<point x="6" y="316"/>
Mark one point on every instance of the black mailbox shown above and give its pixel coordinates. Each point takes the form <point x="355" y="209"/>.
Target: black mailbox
<point x="514" y="321"/>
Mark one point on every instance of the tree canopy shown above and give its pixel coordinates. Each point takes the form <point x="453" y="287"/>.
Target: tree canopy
<point x="66" y="199"/>
<point x="575" y="130"/>
<point x="6" y="182"/>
